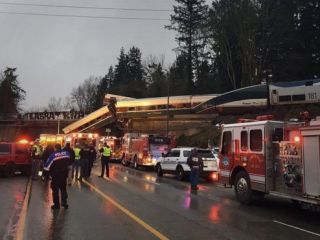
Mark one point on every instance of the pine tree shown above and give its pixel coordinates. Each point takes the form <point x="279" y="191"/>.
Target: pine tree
<point x="188" y="20"/>
<point x="157" y="82"/>
<point x="104" y="85"/>
<point x="11" y="94"/>
<point x="136" y="75"/>
<point x="120" y="85"/>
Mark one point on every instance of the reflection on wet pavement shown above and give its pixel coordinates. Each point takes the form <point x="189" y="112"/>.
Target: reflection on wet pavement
<point x="164" y="203"/>
<point x="214" y="213"/>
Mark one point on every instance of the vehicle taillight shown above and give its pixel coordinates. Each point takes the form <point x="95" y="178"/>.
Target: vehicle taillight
<point x="296" y="139"/>
<point x="214" y="176"/>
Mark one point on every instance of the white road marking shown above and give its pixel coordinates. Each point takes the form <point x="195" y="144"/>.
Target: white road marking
<point x="297" y="228"/>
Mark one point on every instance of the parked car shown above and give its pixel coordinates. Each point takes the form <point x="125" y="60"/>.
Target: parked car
<point x="14" y="157"/>
<point x="175" y="162"/>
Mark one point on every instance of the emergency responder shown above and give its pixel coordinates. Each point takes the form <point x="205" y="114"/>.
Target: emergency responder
<point x="57" y="165"/>
<point x="84" y="160"/>
<point x="195" y="163"/>
<point x="76" y="165"/>
<point x="72" y="159"/>
<point x="105" y="157"/>
<point x="92" y="157"/>
<point x="45" y="155"/>
<point x="36" y="157"/>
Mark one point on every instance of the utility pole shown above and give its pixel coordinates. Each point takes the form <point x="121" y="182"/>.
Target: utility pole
<point x="168" y="94"/>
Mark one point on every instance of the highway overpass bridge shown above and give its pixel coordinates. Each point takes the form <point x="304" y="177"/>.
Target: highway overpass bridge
<point x="179" y="114"/>
<point x="174" y="113"/>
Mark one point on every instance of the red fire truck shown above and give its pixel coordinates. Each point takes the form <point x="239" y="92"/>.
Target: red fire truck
<point x="272" y="157"/>
<point x="143" y="150"/>
<point x="15" y="156"/>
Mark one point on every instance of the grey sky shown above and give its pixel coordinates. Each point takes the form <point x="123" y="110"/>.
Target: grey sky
<point x="55" y="54"/>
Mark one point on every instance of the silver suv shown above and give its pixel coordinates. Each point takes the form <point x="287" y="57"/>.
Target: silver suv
<point x="175" y="162"/>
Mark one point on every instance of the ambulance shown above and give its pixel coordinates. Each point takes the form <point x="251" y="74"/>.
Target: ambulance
<point x="82" y="139"/>
<point x="279" y="158"/>
<point x="143" y="149"/>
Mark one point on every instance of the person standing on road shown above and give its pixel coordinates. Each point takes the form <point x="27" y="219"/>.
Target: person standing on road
<point x="105" y="157"/>
<point x="71" y="162"/>
<point x="57" y="165"/>
<point x="45" y="155"/>
<point x="76" y="165"/>
<point x="36" y="157"/>
<point x="194" y="162"/>
<point x="84" y="160"/>
<point x="92" y="157"/>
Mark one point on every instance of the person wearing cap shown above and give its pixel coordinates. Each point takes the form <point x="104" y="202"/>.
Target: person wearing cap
<point x="57" y="165"/>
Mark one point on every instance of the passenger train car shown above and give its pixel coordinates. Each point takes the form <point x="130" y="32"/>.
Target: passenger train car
<point x="245" y="100"/>
<point x="130" y="108"/>
<point x="298" y="92"/>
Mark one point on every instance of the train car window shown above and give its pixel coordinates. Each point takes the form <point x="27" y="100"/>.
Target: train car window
<point x="300" y="97"/>
<point x="309" y="83"/>
<point x="256" y="140"/>
<point x="131" y="109"/>
<point x="274" y="91"/>
<point x="244" y="141"/>
<point x="226" y="143"/>
<point x="285" y="98"/>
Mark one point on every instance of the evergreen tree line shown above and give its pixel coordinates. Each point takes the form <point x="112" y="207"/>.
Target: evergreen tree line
<point x="11" y="94"/>
<point x="221" y="46"/>
<point x="224" y="46"/>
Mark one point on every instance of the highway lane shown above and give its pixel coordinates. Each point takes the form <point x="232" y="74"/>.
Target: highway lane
<point x="138" y="205"/>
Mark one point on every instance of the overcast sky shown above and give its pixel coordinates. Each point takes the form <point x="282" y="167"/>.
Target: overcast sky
<point x="55" y="54"/>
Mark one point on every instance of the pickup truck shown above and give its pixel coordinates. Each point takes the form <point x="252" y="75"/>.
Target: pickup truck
<point x="14" y="157"/>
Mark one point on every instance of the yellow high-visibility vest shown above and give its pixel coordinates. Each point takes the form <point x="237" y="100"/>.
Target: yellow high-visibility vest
<point x="106" y="151"/>
<point x="77" y="153"/>
<point x="38" y="150"/>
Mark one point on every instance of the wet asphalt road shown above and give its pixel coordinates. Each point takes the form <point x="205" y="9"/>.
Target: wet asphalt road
<point x="164" y="204"/>
<point x="12" y="192"/>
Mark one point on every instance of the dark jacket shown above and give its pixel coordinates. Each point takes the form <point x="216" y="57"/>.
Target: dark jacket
<point x="85" y="153"/>
<point x="57" y="164"/>
<point x="93" y="153"/>
<point x="46" y="153"/>
<point x="71" y="153"/>
<point x="194" y="160"/>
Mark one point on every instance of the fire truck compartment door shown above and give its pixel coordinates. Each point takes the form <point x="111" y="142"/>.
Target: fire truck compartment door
<point x="311" y="156"/>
